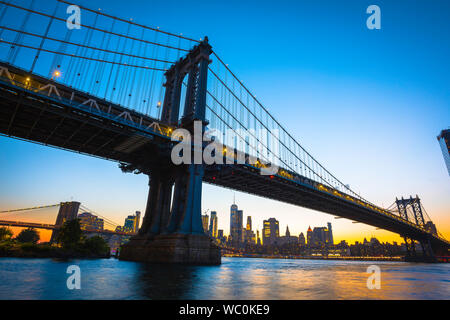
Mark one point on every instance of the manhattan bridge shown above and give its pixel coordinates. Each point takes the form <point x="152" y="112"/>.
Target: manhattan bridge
<point x="115" y="89"/>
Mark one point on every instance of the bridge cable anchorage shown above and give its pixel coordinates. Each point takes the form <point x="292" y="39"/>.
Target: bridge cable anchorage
<point x="90" y="27"/>
<point x="133" y="23"/>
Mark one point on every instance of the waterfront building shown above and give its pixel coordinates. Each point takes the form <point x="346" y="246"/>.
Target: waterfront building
<point x="131" y="224"/>
<point x="88" y="221"/>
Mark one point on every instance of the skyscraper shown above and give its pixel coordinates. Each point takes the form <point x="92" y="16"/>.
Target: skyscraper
<point x="236" y="225"/>
<point x="444" y="141"/>
<point x="271" y="231"/>
<point x="249" y="223"/>
<point x="330" y="234"/>
<point x="320" y="236"/>
<point x="205" y="219"/>
<point x="213" y="224"/>
<point x="309" y="236"/>
<point x="249" y="235"/>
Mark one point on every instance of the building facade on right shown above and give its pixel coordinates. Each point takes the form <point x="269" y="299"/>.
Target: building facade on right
<point x="444" y="141"/>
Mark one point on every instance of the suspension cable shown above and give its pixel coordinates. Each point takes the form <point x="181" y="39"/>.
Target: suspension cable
<point x="93" y="28"/>
<point x="81" y="57"/>
<point x="32" y="208"/>
<point x="284" y="130"/>
<point x="84" y="46"/>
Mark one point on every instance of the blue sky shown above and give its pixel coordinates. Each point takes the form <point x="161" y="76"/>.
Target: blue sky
<point x="368" y="104"/>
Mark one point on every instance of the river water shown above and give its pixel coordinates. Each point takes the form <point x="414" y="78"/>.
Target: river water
<point x="235" y="278"/>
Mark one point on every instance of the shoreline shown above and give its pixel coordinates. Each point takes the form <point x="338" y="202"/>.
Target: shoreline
<point x="393" y="259"/>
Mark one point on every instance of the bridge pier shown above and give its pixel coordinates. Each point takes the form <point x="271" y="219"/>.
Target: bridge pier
<point x="173" y="232"/>
<point x="176" y="235"/>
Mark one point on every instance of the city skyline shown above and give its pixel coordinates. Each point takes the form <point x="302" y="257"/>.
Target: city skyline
<point x="370" y="148"/>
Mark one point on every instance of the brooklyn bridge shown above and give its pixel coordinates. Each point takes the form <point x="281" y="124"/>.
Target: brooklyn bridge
<point x="118" y="90"/>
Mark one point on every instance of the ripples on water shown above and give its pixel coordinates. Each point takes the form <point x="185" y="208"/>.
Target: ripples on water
<point x="236" y="278"/>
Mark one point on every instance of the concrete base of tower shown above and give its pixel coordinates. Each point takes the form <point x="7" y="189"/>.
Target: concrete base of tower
<point x="172" y="248"/>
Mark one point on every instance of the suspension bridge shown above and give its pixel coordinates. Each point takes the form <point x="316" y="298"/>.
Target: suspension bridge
<point x="117" y="90"/>
<point x="21" y="218"/>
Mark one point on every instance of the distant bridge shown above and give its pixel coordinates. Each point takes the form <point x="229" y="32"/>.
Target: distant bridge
<point x="67" y="211"/>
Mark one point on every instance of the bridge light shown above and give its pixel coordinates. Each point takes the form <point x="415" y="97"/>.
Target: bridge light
<point x="56" y="74"/>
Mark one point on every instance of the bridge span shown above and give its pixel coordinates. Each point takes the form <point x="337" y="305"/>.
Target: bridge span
<point x="70" y="114"/>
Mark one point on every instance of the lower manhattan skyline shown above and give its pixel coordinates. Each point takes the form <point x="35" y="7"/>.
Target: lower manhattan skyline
<point x="226" y="156"/>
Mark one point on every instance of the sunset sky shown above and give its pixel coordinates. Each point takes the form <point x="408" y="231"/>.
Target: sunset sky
<point x="368" y="104"/>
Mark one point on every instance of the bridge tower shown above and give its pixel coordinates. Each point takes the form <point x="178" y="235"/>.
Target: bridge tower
<point x="416" y="207"/>
<point x="67" y="211"/>
<point x="172" y="230"/>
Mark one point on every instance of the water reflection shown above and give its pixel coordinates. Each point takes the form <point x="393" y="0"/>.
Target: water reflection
<point x="236" y="278"/>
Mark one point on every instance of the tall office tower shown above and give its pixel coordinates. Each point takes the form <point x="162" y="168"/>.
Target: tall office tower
<point x="249" y="223"/>
<point x="301" y="239"/>
<point x="236" y="225"/>
<point x="67" y="211"/>
<point x="205" y="219"/>
<point x="444" y="141"/>
<point x="271" y="231"/>
<point x="309" y="236"/>
<point x="90" y="222"/>
<point x="213" y="224"/>
<point x="330" y="234"/>
<point x="137" y="221"/>
<point x="320" y="235"/>
<point x="288" y="234"/>
<point x="258" y="241"/>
